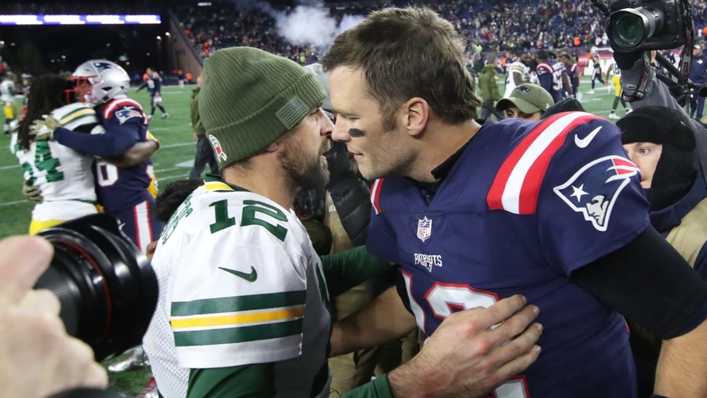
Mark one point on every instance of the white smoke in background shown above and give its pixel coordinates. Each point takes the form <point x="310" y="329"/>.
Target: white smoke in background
<point x="308" y="23"/>
<point x="348" y="22"/>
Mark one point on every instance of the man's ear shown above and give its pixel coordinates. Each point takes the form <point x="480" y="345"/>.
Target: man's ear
<point x="415" y="114"/>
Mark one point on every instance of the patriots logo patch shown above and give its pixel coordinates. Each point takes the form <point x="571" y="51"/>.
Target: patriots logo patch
<point x="593" y="189"/>
<point x="126" y="113"/>
<point x="524" y="89"/>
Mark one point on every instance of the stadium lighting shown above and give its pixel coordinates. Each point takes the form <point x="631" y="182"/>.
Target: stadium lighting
<point x="159" y="38"/>
<point x="166" y="34"/>
<point x="148" y="54"/>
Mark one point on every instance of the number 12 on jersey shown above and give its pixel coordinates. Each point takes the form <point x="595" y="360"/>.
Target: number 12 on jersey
<point x="445" y="298"/>
<point x="248" y="217"/>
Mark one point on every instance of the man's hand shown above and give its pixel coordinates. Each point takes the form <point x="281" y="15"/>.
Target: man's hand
<point x="465" y="357"/>
<point x="43" y="130"/>
<point x="32" y="193"/>
<point x="196" y="138"/>
<point x="37" y="357"/>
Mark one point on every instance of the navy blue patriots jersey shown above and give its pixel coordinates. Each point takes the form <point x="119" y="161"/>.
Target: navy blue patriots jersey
<point x="524" y="206"/>
<point x="153" y="84"/>
<point x="550" y="77"/>
<point x="119" y="188"/>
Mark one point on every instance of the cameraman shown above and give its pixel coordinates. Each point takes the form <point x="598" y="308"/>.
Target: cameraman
<point x="37" y="357"/>
<point x="635" y="69"/>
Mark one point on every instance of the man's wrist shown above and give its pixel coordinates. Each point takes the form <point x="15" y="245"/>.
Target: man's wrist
<point x="410" y="381"/>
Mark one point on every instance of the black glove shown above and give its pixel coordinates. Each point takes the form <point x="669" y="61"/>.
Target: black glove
<point x="339" y="164"/>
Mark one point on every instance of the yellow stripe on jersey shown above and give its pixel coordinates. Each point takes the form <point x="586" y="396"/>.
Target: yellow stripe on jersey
<point x="217" y="186"/>
<point x="75" y="115"/>
<point x="239" y="319"/>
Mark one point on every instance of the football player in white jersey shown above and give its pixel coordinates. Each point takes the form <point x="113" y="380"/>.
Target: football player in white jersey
<point x="616" y="82"/>
<point x="242" y="308"/>
<point x="59" y="179"/>
<point x="518" y="72"/>
<point x="7" y="96"/>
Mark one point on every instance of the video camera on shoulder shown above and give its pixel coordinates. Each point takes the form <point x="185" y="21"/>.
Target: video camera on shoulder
<point x="640" y="25"/>
<point x="106" y="286"/>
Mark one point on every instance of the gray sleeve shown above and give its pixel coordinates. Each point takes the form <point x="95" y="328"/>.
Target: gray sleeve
<point x="658" y="94"/>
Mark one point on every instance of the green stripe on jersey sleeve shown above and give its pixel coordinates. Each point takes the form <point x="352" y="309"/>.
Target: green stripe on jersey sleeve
<point x="239" y="303"/>
<point x="238" y="335"/>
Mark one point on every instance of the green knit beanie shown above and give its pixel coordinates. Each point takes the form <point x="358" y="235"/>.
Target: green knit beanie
<point x="250" y="98"/>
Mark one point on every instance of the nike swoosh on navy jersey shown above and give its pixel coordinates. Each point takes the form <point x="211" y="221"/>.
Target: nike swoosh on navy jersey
<point x="583" y="143"/>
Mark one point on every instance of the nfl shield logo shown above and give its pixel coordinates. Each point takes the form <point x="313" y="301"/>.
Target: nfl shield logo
<point x="424" y="229"/>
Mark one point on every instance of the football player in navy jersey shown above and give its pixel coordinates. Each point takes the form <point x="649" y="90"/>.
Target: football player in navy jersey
<point x="122" y="191"/>
<point x="153" y="82"/>
<point x="474" y="213"/>
<point x="553" y="76"/>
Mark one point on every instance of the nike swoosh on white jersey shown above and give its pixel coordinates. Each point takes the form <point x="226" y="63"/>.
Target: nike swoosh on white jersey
<point x="583" y="143"/>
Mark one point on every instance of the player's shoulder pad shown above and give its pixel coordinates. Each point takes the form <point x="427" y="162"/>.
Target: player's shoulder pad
<point x="517" y="184"/>
<point x="544" y="68"/>
<point x="73" y="112"/>
<point x="124" y="109"/>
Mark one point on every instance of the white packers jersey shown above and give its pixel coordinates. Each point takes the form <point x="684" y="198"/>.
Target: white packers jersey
<point x="515" y="68"/>
<point x="239" y="284"/>
<point x="7" y="91"/>
<point x="64" y="175"/>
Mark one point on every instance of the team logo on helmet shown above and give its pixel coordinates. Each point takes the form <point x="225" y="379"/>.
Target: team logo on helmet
<point x="217" y="148"/>
<point x="593" y="190"/>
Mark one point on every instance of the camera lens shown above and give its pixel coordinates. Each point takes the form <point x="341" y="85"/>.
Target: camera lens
<point x="106" y="286"/>
<point x="628" y="28"/>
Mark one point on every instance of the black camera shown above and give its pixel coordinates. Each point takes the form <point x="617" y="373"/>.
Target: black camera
<point x="106" y="286"/>
<point x="647" y="25"/>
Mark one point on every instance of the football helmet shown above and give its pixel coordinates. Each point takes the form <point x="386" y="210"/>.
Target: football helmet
<point x="99" y="81"/>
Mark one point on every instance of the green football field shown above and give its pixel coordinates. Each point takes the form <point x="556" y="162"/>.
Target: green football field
<point x="173" y="161"/>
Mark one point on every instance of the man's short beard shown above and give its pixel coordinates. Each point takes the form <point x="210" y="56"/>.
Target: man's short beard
<point x="305" y="174"/>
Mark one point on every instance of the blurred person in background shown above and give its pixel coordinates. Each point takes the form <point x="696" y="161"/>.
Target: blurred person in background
<point x="488" y="89"/>
<point x="153" y="82"/>
<point x="527" y="102"/>
<point x="204" y="153"/>
<point x="698" y="75"/>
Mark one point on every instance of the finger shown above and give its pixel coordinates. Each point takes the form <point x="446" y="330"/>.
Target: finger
<point x="499" y="311"/>
<point x="96" y="376"/>
<point x="41" y="301"/>
<point x="23" y="260"/>
<point x="518" y="364"/>
<point x="79" y="369"/>
<point x="516" y="324"/>
<point x="517" y="347"/>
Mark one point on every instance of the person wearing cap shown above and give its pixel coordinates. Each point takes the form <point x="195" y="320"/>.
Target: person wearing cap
<point x="243" y="301"/>
<point x="527" y="102"/>
<point x="698" y="75"/>
<point x="660" y="141"/>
